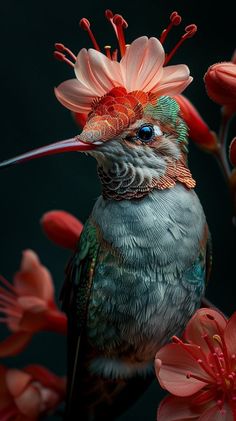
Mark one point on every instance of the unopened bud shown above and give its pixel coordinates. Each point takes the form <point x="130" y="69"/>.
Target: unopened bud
<point x="62" y="228"/>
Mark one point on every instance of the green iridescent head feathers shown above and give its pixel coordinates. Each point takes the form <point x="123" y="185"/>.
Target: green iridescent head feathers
<point x="167" y="112"/>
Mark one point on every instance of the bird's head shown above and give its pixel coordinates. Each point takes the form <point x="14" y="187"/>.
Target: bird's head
<point x="131" y="123"/>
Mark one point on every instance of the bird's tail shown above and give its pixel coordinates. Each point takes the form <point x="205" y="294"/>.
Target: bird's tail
<point x="97" y="398"/>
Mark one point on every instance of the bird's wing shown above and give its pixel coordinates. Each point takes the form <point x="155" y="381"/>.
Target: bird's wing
<point x="75" y="298"/>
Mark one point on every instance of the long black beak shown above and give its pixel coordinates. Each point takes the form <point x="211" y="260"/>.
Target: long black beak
<point x="69" y="145"/>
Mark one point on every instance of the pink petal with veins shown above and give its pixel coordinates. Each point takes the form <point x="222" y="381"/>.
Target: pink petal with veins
<point x="74" y="96"/>
<point x="33" y="279"/>
<point x="203" y="322"/>
<point x="176" y="362"/>
<point x="152" y="66"/>
<point x="106" y="72"/>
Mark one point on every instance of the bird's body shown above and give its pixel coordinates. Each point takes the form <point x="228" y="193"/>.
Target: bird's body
<point x="137" y="277"/>
<point x="139" y="271"/>
<point x="148" y="279"/>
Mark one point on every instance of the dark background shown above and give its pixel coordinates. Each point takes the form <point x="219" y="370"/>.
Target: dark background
<point x="31" y="116"/>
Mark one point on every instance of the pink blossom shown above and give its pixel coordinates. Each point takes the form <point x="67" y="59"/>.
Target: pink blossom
<point x="141" y="68"/>
<point x="28" y="305"/>
<point x="200" y="371"/>
<point x="26" y="395"/>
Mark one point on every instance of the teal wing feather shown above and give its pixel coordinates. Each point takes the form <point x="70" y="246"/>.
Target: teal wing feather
<point x="75" y="298"/>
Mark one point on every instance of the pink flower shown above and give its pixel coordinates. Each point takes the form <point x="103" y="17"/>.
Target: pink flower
<point x="141" y="68"/>
<point x="28" y="305"/>
<point x="220" y="81"/>
<point x="199" y="131"/>
<point x="62" y="228"/>
<point x="201" y="371"/>
<point x="27" y="395"/>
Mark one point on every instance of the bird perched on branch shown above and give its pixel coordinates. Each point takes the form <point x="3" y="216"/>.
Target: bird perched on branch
<point x="139" y="270"/>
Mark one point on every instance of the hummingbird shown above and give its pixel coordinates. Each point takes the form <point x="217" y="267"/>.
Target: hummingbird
<point x="140" y="268"/>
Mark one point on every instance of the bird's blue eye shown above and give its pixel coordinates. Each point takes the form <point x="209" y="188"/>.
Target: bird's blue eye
<point x="146" y="133"/>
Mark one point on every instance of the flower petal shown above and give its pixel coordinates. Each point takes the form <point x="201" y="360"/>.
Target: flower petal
<point x="17" y="381"/>
<point x="14" y="344"/>
<point x="29" y="402"/>
<point x="174" y="408"/>
<point x="217" y="414"/>
<point x="142" y="64"/>
<point x="74" y="96"/>
<point x="174" y="80"/>
<point x="176" y="362"/>
<point x="97" y="72"/>
<point x="230" y="335"/>
<point x="33" y="279"/>
<point x="132" y="61"/>
<point x="203" y="321"/>
<point x="84" y="73"/>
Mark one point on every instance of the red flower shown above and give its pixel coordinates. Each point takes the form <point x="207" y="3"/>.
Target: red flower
<point x="28" y="305"/>
<point x="199" y="131"/>
<point x="220" y="81"/>
<point x="62" y="228"/>
<point x="80" y="118"/>
<point x="200" y="372"/>
<point x="26" y="395"/>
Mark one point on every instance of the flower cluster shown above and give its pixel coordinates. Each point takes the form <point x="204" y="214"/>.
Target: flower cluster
<point x="28" y="306"/>
<point x="200" y="370"/>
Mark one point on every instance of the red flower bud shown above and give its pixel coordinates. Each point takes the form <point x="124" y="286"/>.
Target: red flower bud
<point x="220" y="81"/>
<point x="80" y="118"/>
<point x="199" y="131"/>
<point x="62" y="228"/>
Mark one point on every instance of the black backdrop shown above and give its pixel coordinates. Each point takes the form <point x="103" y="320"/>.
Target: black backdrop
<point x="31" y="116"/>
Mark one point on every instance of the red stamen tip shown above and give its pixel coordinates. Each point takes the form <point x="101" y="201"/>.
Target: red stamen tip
<point x="108" y="14"/>
<point x="84" y="24"/>
<point x="190" y="31"/>
<point x="120" y="21"/>
<point x="59" y="46"/>
<point x="59" y="56"/>
<point x="175" y="18"/>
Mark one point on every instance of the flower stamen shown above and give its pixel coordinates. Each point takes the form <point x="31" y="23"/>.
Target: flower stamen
<point x="85" y="24"/>
<point x="107" y="49"/>
<point x="7" y="284"/>
<point x="63" y="49"/>
<point x="61" y="57"/>
<point x="114" y="55"/>
<point x="120" y="24"/>
<point x="175" y="19"/>
<point x="190" y="375"/>
<point x="190" y="31"/>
